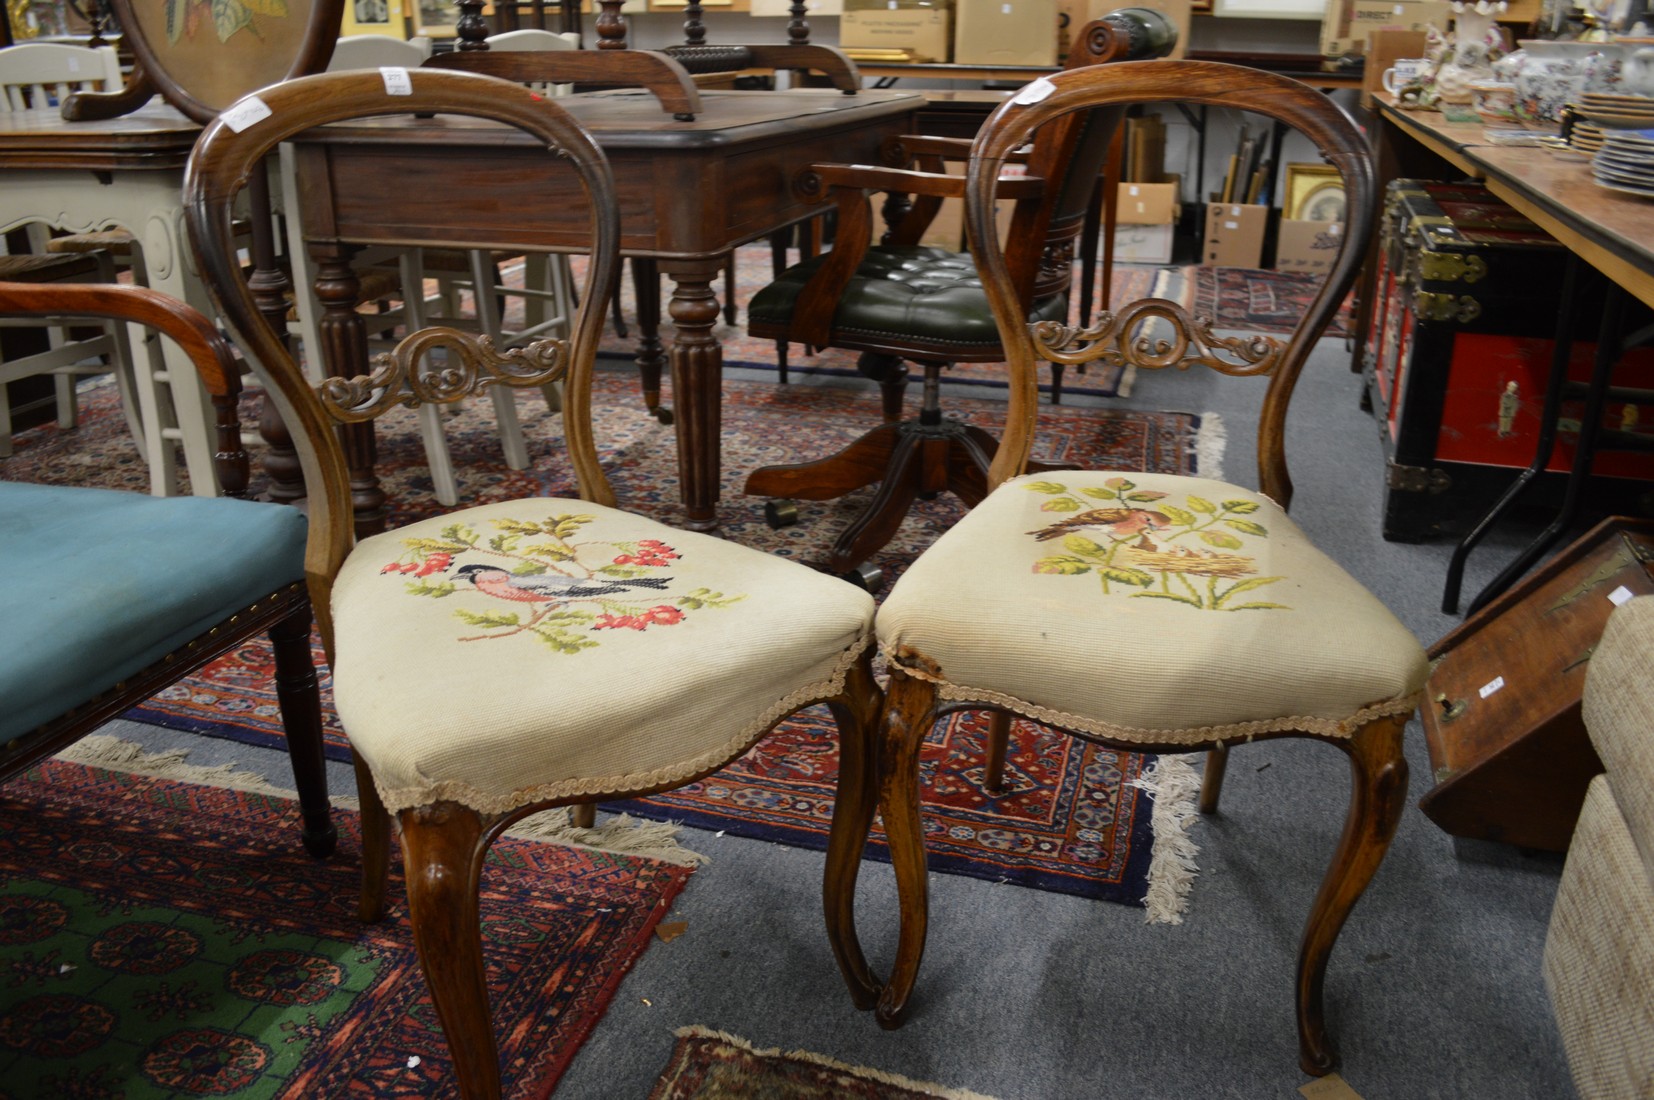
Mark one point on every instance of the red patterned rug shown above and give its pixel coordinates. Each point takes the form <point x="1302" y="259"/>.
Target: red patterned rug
<point x="160" y="938"/>
<point x="1259" y="299"/>
<point x="1070" y="821"/>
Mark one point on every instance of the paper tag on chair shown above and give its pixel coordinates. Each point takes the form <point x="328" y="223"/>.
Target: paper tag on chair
<point x="249" y="112"/>
<point x="397" y="81"/>
<point x="1034" y="91"/>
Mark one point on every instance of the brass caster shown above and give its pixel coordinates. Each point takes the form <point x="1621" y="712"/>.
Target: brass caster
<point x="866" y="576"/>
<point x="780" y="513"/>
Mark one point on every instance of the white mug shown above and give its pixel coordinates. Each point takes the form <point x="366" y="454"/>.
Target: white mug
<point x="1403" y="71"/>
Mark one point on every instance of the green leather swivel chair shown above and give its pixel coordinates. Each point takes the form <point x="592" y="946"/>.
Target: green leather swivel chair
<point x="899" y="301"/>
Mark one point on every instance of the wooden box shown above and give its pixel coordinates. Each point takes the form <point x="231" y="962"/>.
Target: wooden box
<point x="1508" y="749"/>
<point x="1459" y="348"/>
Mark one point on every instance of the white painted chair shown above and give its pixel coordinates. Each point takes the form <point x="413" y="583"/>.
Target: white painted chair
<point x="37" y="77"/>
<point x="547" y="290"/>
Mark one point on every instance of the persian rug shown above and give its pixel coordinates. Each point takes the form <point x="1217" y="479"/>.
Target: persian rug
<point x="1259" y="299"/>
<point x="1071" y="818"/>
<point x="162" y="938"/>
<point x="713" y="1065"/>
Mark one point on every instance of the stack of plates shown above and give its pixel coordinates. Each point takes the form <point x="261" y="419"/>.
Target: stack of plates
<point x="1626" y="162"/>
<point x="1587" y="137"/>
<point x="1617" y="112"/>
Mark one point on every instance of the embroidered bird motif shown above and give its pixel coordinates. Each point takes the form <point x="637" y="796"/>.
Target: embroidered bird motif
<point x="540" y="587"/>
<point x="1120" y="522"/>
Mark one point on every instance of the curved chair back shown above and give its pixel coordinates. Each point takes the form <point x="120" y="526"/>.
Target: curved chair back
<point x="39" y="76"/>
<point x="371" y="51"/>
<point x="1119" y="337"/>
<point x="219" y="167"/>
<point x="532" y="39"/>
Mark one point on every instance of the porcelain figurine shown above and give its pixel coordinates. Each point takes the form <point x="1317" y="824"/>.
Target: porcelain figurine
<point x="1476" y="44"/>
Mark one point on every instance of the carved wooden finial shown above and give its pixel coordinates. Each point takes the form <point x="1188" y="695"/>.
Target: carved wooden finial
<point x="472" y="28"/>
<point x="611" y="26"/>
<point x="798" y="28"/>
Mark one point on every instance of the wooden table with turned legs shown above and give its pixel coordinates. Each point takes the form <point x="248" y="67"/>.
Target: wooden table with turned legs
<point x="689" y="191"/>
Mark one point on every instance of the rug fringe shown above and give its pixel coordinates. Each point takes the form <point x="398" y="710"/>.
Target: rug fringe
<point x="941" y="1092"/>
<point x="621" y="833"/>
<point x="1173" y="783"/>
<point x="1210" y="443"/>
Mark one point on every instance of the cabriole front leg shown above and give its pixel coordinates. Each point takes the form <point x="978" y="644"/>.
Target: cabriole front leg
<point x="1378" y="792"/>
<point x="909" y="712"/>
<point x="857" y="714"/>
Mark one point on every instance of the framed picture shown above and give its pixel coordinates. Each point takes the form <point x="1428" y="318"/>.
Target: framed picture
<point x="438" y="18"/>
<point x="374" y="17"/>
<point x="1314" y="193"/>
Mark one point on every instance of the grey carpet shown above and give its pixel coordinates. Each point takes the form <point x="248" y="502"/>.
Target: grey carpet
<point x="1434" y="989"/>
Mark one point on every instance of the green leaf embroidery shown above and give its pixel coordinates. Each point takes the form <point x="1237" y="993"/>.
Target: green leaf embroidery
<point x="1180" y="598"/>
<point x="621" y="570"/>
<point x="1241" y="507"/>
<point x="174" y="15"/>
<point x="489" y="620"/>
<point x="1249" y="584"/>
<point x="435" y="546"/>
<point x="563" y="641"/>
<point x="549" y="551"/>
<point x="434" y="589"/>
<point x="1126" y="575"/>
<point x="565" y="526"/>
<point x="1120" y="483"/>
<point x="1178" y="515"/>
<point x="1202" y="505"/>
<point x="1100" y="494"/>
<point x="1062" y="564"/>
<point x="705" y="597"/>
<point x="1047" y="487"/>
<point x="1146" y="495"/>
<point x="1079" y="544"/>
<point x="518" y="527"/>
<point x="1221" y="539"/>
<point x="1061" y="504"/>
<point x="1247" y="527"/>
<point x="229" y="16"/>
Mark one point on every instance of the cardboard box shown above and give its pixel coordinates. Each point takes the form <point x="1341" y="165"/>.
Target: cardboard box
<point x="926" y="33"/>
<point x="1005" y="32"/>
<point x="1146" y="204"/>
<point x="1144" y="244"/>
<point x="1307" y="246"/>
<point x="1347" y="23"/>
<point x="1234" y="234"/>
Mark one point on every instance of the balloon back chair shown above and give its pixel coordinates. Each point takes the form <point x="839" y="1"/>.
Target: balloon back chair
<point x="902" y="301"/>
<point x="488" y="662"/>
<point x="112" y="596"/>
<point x="1148" y="611"/>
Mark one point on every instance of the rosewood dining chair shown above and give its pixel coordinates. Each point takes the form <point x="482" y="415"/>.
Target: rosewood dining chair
<point x="553" y="651"/>
<point x="1148" y="611"/>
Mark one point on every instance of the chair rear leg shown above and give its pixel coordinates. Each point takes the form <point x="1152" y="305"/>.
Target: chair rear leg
<point x="376" y="845"/>
<point x="1378" y="793"/>
<point x="299" y="696"/>
<point x="442" y="852"/>
<point x="1211" y="778"/>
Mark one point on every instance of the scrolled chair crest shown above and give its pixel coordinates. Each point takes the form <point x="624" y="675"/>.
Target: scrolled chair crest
<point x="1122" y="339"/>
<point x="405" y="376"/>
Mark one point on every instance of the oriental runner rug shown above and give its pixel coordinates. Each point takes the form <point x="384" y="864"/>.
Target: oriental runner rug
<point x="1071" y="819"/>
<point x="1258" y="299"/>
<point x="162" y="938"/>
<point x="713" y="1065"/>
